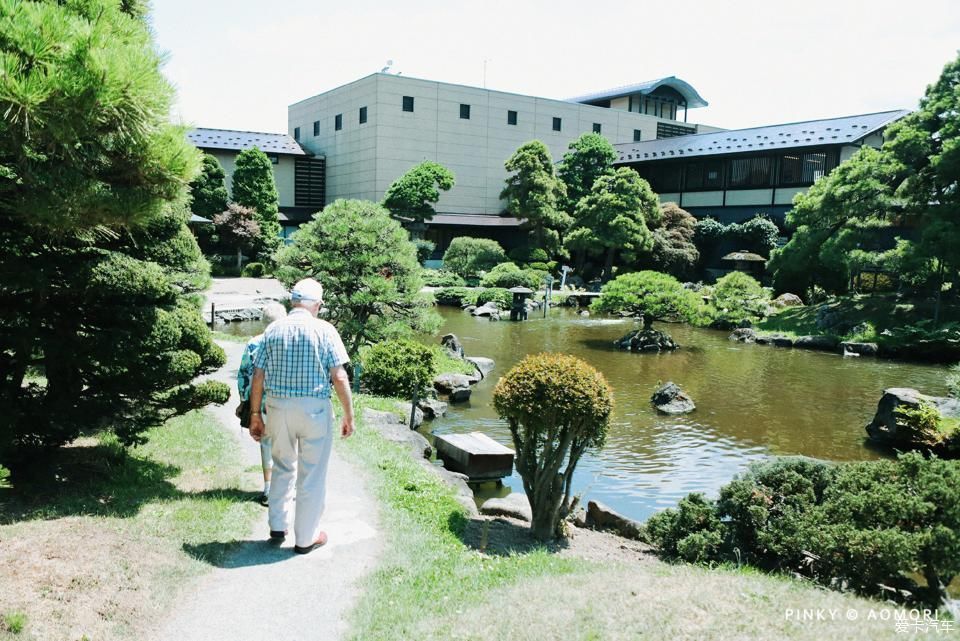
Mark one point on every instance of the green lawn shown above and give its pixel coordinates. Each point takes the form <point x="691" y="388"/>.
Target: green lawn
<point x="430" y="585"/>
<point x="102" y="551"/>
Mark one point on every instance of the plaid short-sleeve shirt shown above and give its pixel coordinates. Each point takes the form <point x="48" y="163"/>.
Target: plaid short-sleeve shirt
<point x="297" y="355"/>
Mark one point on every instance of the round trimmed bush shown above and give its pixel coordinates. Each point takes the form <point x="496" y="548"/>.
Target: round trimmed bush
<point x="580" y="402"/>
<point x="498" y="295"/>
<point x="397" y="368"/>
<point x="507" y="275"/>
<point x="454" y="296"/>
<point x="253" y="270"/>
<point x="440" y="278"/>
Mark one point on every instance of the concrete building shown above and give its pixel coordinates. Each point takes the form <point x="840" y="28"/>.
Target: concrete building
<point x="735" y="175"/>
<point x="298" y="173"/>
<point x="373" y="130"/>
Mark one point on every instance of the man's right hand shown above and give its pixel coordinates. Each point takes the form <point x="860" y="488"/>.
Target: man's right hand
<point x="346" y="426"/>
<point x="256" y="427"/>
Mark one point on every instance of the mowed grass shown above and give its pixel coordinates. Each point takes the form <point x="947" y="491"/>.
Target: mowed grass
<point x="431" y="586"/>
<point x="102" y="551"/>
<point x="426" y="574"/>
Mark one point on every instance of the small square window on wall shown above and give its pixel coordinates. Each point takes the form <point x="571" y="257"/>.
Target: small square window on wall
<point x="465" y="112"/>
<point x="316" y="127"/>
<point x="637" y="135"/>
<point x="511" y="117"/>
<point x="408" y="103"/>
<point x="596" y="127"/>
<point x="557" y="124"/>
<point x="274" y="158"/>
<point x="363" y="115"/>
<point x="338" y="122"/>
<point x="296" y="133"/>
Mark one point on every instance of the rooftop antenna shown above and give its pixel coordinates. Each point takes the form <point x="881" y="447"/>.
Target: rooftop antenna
<point x="387" y="68"/>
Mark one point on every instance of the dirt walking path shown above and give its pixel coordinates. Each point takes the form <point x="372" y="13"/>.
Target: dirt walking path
<point x="262" y="592"/>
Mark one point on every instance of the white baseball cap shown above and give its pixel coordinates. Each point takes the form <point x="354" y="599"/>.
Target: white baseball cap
<point x="307" y="289"/>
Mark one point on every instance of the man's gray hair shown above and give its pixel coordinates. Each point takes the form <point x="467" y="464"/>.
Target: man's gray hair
<point x="273" y="312"/>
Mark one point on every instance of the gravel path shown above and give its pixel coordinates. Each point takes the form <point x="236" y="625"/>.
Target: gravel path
<point x="264" y="593"/>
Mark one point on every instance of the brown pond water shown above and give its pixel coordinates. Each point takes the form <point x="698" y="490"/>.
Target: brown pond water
<point x="753" y="401"/>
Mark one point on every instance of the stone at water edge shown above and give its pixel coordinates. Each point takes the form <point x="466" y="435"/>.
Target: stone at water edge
<point x="781" y="341"/>
<point x="513" y="505"/>
<point x="393" y="427"/>
<point x="646" y="340"/>
<point x="446" y="383"/>
<point x="863" y="349"/>
<point x="605" y="518"/>
<point x="825" y="343"/>
<point x="486" y="309"/>
<point x="744" y="335"/>
<point x="404" y="408"/>
<point x="432" y="408"/>
<point x="452" y="344"/>
<point x="469" y="308"/>
<point x="460" y="395"/>
<point x="483" y="365"/>
<point x="670" y="399"/>
<point x="890" y="429"/>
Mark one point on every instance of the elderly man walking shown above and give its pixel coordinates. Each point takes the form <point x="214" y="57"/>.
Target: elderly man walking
<point x="298" y="365"/>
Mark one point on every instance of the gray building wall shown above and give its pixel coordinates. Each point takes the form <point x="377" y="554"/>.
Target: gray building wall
<point x="364" y="159"/>
<point x="283" y="173"/>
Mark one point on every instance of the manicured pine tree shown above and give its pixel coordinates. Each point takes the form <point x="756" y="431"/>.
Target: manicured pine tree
<point x="535" y="195"/>
<point x="253" y="186"/>
<point x="208" y="191"/>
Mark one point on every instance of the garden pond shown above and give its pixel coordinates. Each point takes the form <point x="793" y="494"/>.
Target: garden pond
<point x="753" y="402"/>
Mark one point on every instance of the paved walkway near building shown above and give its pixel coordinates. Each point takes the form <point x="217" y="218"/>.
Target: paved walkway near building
<point x="262" y="592"/>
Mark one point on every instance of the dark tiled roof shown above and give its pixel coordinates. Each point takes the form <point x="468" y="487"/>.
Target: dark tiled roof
<point x="684" y="88"/>
<point x="238" y="140"/>
<point x="845" y="130"/>
<point x="475" y="220"/>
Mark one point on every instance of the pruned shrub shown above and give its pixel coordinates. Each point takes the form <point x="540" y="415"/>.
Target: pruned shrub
<point x="424" y="249"/>
<point x="507" y="275"/>
<point x="253" y="270"/>
<point x="454" y="296"/>
<point x="498" y="295"/>
<point x="691" y="531"/>
<point x="739" y="297"/>
<point x="468" y="256"/>
<point x="549" y="444"/>
<point x="651" y="296"/>
<point x="440" y="278"/>
<point x="397" y="367"/>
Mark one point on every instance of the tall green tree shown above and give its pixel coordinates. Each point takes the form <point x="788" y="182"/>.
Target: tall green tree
<point x="413" y="195"/>
<point x="253" y="186"/>
<point x="673" y="250"/>
<point x="612" y="219"/>
<point x="588" y="157"/>
<point x="369" y="270"/>
<point x="208" y="191"/>
<point x="98" y="323"/>
<point x="535" y="195"/>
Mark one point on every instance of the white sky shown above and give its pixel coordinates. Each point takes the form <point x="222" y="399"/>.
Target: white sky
<point x="237" y="64"/>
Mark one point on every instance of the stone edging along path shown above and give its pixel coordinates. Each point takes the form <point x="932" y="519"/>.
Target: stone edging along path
<point x="263" y="592"/>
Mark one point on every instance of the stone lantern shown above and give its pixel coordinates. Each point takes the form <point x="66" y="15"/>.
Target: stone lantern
<point x="518" y="310"/>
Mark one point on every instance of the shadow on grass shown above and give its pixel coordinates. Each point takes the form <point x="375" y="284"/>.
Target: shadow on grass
<point x="500" y="536"/>
<point x="98" y="480"/>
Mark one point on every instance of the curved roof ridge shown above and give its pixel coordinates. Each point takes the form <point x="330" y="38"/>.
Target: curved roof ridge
<point x="693" y="98"/>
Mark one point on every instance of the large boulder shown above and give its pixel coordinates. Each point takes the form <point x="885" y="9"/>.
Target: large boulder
<point x="891" y="428"/>
<point x="646" y="340"/>
<point x="393" y="427"/>
<point x="459" y="395"/>
<point x="513" y="505"/>
<point x="825" y="343"/>
<point x="487" y="309"/>
<point x="670" y="399"/>
<point x="404" y="409"/>
<point x="446" y="383"/>
<point x="451" y="343"/>
<point x="787" y="300"/>
<point x="461" y="489"/>
<point x="860" y="349"/>
<point x="781" y="341"/>
<point x="484" y="365"/>
<point x="605" y="518"/>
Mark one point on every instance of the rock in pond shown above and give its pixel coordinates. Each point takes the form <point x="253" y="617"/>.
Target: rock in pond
<point x="487" y="309"/>
<point x="646" y="340"/>
<point x="446" y="383"/>
<point x="451" y="343"/>
<point x="513" y="505"/>
<point x="602" y="517"/>
<point x="825" y="343"/>
<point x="404" y="409"/>
<point x="781" y="341"/>
<point x="744" y="335"/>
<point x="483" y="365"/>
<point x="432" y="408"/>
<point x="860" y="349"/>
<point x="889" y="427"/>
<point x="469" y="308"/>
<point x="670" y="399"/>
<point x="459" y="395"/>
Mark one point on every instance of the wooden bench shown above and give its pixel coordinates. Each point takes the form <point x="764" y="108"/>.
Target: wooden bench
<point x="477" y="455"/>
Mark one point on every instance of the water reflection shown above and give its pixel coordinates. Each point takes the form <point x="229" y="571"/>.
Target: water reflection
<point x="753" y="401"/>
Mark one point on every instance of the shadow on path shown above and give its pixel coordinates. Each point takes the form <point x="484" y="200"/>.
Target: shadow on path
<point x="238" y="554"/>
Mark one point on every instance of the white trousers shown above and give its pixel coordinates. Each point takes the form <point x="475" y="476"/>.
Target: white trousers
<point x="300" y="431"/>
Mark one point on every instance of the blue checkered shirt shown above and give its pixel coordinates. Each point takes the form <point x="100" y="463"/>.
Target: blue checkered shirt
<point x="297" y="355"/>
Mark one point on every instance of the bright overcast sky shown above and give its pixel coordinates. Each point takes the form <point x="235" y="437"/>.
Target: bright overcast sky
<point x="237" y="64"/>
